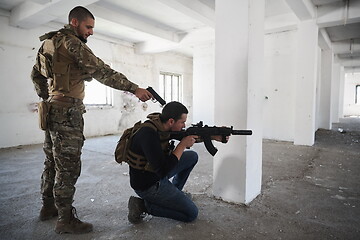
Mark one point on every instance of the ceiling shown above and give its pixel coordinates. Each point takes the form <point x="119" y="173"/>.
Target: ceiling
<point x="180" y="25"/>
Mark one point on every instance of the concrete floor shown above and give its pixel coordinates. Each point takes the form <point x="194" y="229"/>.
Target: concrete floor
<point x="307" y="193"/>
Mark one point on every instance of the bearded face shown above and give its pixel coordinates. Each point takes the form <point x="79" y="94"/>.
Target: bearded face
<point x="83" y="29"/>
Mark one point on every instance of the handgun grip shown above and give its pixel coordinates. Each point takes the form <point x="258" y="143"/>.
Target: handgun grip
<point x="156" y="96"/>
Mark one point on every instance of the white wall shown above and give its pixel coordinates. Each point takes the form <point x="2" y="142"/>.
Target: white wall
<point x="17" y="56"/>
<point x="18" y="48"/>
<point x="279" y="85"/>
<point x="204" y="83"/>
<point x="350" y="108"/>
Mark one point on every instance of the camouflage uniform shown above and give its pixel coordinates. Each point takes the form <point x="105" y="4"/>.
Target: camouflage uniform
<point x="63" y="63"/>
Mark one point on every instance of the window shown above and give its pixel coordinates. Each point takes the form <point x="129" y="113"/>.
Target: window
<point x="357" y="94"/>
<point x="170" y="87"/>
<point x="97" y="93"/>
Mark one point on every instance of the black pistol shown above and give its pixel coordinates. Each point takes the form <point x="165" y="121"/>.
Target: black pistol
<point x="156" y="96"/>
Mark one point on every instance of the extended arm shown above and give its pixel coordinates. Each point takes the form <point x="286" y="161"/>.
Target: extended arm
<point x="102" y="72"/>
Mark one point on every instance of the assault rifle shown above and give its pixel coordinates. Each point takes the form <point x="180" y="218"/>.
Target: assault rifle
<point x="156" y="96"/>
<point x="205" y="133"/>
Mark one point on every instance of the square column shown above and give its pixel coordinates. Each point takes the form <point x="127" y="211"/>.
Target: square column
<point x="305" y="87"/>
<point x="239" y="67"/>
<point x="341" y="92"/>
<point x="327" y="61"/>
<point x="335" y="92"/>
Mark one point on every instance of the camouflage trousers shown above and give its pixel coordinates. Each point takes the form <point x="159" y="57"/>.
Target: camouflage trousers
<point x="62" y="146"/>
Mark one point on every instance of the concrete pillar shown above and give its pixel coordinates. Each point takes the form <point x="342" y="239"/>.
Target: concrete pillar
<point x="305" y="87"/>
<point x="327" y="61"/>
<point x="204" y="83"/>
<point x="239" y="64"/>
<point x="341" y="92"/>
<point x="318" y="88"/>
<point x="335" y="93"/>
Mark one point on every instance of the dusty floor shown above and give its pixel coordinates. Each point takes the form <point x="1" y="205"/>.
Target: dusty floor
<point x="307" y="193"/>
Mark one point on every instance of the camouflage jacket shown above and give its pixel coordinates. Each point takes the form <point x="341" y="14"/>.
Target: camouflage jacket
<point x="67" y="62"/>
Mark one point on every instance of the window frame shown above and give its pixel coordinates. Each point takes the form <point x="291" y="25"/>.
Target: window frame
<point x="163" y="87"/>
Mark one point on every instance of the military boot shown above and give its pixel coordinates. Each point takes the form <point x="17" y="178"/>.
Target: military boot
<point x="69" y="223"/>
<point x="136" y="209"/>
<point x="48" y="210"/>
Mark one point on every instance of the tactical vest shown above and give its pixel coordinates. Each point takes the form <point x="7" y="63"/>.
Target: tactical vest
<point x="56" y="64"/>
<point x="138" y="161"/>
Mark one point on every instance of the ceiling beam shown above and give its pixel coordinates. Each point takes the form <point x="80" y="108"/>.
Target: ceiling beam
<point x="136" y="23"/>
<point x="153" y="46"/>
<point x="337" y="13"/>
<point x="303" y="9"/>
<point x="347" y="46"/>
<point x="348" y="62"/>
<point x="4" y="12"/>
<point x="349" y="55"/>
<point x="322" y="2"/>
<point x="352" y="69"/>
<point x="30" y="14"/>
<point x="194" y="9"/>
<point x="196" y="37"/>
<point x="281" y="23"/>
<point x="324" y="40"/>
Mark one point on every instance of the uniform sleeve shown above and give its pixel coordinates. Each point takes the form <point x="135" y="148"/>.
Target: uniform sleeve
<point x="96" y="67"/>
<point x="39" y="81"/>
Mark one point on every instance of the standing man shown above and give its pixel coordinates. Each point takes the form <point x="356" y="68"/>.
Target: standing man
<point x="63" y="63"/>
<point x="152" y="162"/>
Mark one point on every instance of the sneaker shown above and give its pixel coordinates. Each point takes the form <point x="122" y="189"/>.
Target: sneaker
<point x="188" y="195"/>
<point x="136" y="209"/>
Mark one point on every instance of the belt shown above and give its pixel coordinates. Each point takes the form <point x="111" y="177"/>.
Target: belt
<point x="65" y="99"/>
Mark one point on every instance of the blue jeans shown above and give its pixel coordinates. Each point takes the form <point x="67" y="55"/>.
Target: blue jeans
<point x="165" y="198"/>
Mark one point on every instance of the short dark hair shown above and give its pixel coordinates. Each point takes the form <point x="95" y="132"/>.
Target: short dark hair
<point x="173" y="110"/>
<point x="80" y="13"/>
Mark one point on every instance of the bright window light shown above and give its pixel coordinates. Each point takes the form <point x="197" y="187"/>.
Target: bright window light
<point x="97" y="93"/>
<point x="170" y="87"/>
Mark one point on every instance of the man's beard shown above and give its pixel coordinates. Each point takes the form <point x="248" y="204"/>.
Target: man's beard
<point x="84" y="40"/>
